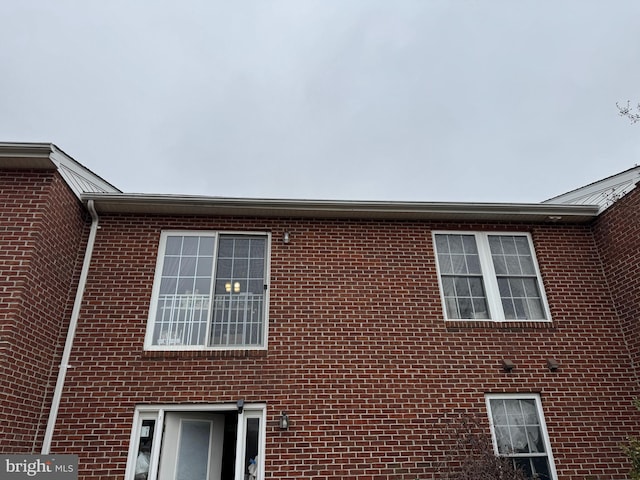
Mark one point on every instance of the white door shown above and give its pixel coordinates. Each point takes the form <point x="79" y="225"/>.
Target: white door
<point x="192" y="446"/>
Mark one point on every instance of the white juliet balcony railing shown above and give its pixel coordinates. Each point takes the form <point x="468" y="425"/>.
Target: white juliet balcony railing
<point x="235" y="320"/>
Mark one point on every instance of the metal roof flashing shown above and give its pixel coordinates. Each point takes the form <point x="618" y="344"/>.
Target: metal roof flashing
<point x="46" y="156"/>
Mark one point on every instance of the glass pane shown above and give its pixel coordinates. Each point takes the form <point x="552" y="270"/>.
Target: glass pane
<point x="188" y="266"/>
<point x="256" y="268"/>
<point x="241" y="249"/>
<point x="519" y="440"/>
<point x="144" y="449"/>
<point x="466" y="308"/>
<point x="503" y="286"/>
<point x="503" y="440"/>
<point x="459" y="264"/>
<point x="529" y="411"/>
<point x="495" y="245"/>
<point x="480" y="307"/>
<point x="535" y="309"/>
<point x="205" y="266"/>
<point x="477" y="289"/>
<point x="513" y="265"/>
<point x="193" y="450"/>
<point x="498" y="412"/>
<point x="541" y="468"/>
<point x="170" y="266"/>
<point x="469" y="244"/>
<point x="206" y="246"/>
<point x="527" y="266"/>
<point x="447" y="287"/>
<point x="530" y="287"/>
<point x="190" y="245"/>
<point x="462" y="287"/>
<point x="251" y="460"/>
<point x="522" y="246"/>
<point x="500" y="265"/>
<point x="517" y="287"/>
<point x="473" y="264"/>
<point x="452" y="308"/>
<point x="508" y="245"/>
<point x="173" y="246"/>
<point x="225" y="248"/>
<point x="442" y="244"/>
<point x="535" y="439"/>
<point x="444" y="262"/>
<point x="455" y="243"/>
<point x="224" y="268"/>
<point x="525" y="465"/>
<point x="168" y="285"/>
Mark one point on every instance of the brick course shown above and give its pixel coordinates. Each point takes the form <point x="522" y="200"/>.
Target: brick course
<point x="359" y="353"/>
<point x="41" y="228"/>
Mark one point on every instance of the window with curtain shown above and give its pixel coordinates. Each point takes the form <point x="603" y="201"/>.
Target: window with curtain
<point x="487" y="276"/>
<point x="519" y="433"/>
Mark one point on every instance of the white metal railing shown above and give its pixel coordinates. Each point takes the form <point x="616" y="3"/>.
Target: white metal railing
<point x="186" y="319"/>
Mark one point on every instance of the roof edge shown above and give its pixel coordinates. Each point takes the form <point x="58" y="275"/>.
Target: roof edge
<point x="202" y="205"/>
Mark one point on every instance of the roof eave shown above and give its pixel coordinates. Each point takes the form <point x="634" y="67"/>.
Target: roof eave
<point x="198" y="205"/>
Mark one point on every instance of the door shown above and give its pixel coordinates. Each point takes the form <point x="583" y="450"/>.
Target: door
<point x="192" y="446"/>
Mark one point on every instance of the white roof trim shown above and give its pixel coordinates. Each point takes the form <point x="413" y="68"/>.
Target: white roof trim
<point x="603" y="193"/>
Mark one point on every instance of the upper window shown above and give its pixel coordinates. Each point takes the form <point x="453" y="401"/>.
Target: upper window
<point x="489" y="276"/>
<point x="518" y="432"/>
<point x="210" y="290"/>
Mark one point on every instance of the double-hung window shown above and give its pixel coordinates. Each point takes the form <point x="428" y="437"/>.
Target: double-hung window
<point x="519" y="433"/>
<point x="210" y="291"/>
<point x="489" y="276"/>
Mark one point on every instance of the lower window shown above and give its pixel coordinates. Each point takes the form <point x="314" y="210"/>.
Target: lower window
<point x="210" y="442"/>
<point x="519" y="432"/>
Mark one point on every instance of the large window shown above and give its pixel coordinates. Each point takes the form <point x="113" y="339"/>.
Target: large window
<point x="210" y="291"/>
<point x="489" y="276"/>
<point x="519" y="432"/>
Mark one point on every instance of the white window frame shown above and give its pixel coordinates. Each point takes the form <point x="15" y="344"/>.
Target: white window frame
<point x="157" y="413"/>
<point x="148" y="343"/>
<point x="543" y="426"/>
<point x="489" y="277"/>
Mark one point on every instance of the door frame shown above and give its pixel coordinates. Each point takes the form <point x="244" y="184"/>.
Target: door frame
<point x="157" y="413"/>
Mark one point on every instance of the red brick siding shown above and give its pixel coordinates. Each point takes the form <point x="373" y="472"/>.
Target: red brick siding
<point x="359" y="353"/>
<point x="41" y="224"/>
<point x="617" y="232"/>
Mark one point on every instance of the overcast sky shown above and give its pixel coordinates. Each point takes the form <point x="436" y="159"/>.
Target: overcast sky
<point x="425" y="100"/>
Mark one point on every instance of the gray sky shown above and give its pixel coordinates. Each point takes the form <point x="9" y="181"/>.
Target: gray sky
<point x="426" y="100"/>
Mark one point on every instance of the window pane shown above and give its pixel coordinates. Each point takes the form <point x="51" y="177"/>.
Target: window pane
<point x="455" y="243"/>
<point x="171" y="266"/>
<point x="495" y="246"/>
<point x="442" y="244"/>
<point x="251" y="460"/>
<point x="452" y="308"/>
<point x="469" y="244"/>
<point x="459" y="264"/>
<point x="466" y="308"/>
<point x="444" y="262"/>
<point x="447" y="286"/>
<point x="541" y="468"/>
<point x="173" y="246"/>
<point x="189" y="245"/>
<point x="193" y="453"/>
<point x="462" y="287"/>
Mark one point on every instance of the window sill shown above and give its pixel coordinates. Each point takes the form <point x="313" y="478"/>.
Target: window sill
<point x="171" y="354"/>
<point x="511" y="326"/>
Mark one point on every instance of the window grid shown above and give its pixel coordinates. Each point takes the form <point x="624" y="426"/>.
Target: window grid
<point x="210" y="291"/>
<point x="489" y="276"/>
<point x="518" y="433"/>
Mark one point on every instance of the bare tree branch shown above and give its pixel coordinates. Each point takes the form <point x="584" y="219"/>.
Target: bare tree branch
<point x="629" y="112"/>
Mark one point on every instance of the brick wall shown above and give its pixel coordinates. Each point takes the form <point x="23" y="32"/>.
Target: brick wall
<point x="359" y="354"/>
<point x="41" y="224"/>
<point x="617" y="232"/>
